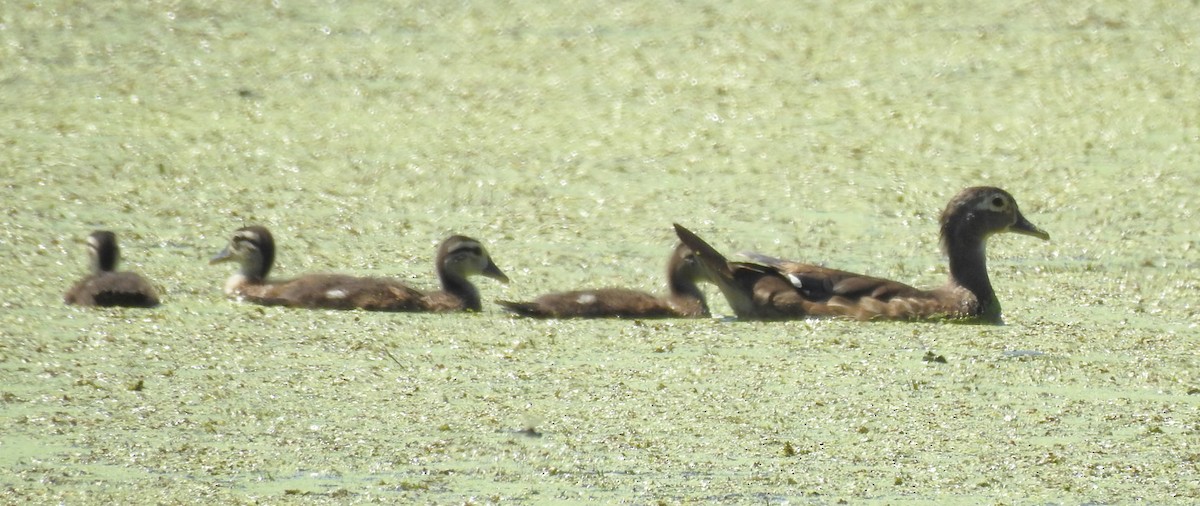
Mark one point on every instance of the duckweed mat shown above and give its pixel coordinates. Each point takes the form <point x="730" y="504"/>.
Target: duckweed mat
<point x="569" y="138"/>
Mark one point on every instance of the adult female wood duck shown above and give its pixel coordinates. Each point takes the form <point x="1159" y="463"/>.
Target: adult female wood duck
<point x="106" y="287"/>
<point x="772" y="288"/>
<point x="685" y="300"/>
<point x="458" y="257"/>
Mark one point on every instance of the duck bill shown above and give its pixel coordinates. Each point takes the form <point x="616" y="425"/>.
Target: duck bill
<point x="494" y="272"/>
<point x="1024" y="227"/>
<point x="224" y="256"/>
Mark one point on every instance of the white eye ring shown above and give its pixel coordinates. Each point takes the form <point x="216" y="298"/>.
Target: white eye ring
<point x="998" y="203"/>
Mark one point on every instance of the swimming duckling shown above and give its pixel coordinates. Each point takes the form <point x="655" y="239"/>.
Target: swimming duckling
<point x="779" y="289"/>
<point x="685" y="299"/>
<point x="106" y="287"/>
<point x="458" y="257"/>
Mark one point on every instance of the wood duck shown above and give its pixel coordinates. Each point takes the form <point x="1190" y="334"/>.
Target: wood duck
<point x="685" y="299"/>
<point x="771" y="289"/>
<point x="458" y="257"/>
<point x="106" y="287"/>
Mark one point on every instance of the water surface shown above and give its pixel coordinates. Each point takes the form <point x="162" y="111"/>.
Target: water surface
<point x="569" y="139"/>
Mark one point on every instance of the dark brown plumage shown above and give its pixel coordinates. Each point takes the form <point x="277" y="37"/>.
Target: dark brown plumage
<point x="772" y="289"/>
<point x="106" y="287"/>
<point x="685" y="300"/>
<point x="458" y="257"/>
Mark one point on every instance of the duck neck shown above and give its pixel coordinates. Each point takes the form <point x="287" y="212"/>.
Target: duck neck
<point x="968" y="269"/>
<point x="100" y="266"/>
<point x="459" y="287"/>
<point x="255" y="268"/>
<point x="105" y="259"/>
<point x="683" y="287"/>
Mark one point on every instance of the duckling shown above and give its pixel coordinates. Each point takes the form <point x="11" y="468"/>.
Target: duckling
<point x="685" y="299"/>
<point x="106" y="287"/>
<point x="772" y="289"/>
<point x="458" y="257"/>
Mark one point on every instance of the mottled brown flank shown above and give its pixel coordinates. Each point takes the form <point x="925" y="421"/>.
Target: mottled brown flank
<point x="684" y="300"/>
<point x="458" y="257"/>
<point x="817" y="291"/>
<point x="318" y="291"/>
<point x="780" y="289"/>
<point x="606" y="303"/>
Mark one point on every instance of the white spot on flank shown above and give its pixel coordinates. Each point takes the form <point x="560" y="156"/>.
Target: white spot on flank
<point x="795" y="280"/>
<point x="586" y="298"/>
<point x="336" y="293"/>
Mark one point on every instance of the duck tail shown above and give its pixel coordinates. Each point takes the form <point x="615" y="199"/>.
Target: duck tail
<point x="529" y="309"/>
<point x="712" y="259"/>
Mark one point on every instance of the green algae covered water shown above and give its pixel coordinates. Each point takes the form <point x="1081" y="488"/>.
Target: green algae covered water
<point x="569" y="139"/>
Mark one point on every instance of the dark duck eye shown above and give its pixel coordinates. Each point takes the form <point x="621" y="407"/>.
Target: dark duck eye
<point x="998" y="203"/>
